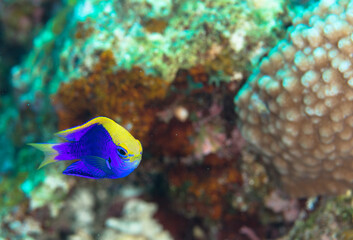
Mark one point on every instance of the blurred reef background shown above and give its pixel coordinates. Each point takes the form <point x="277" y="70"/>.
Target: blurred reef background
<point x="243" y="109"/>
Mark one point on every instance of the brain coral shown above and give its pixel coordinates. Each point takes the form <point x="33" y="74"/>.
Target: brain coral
<point x="297" y="109"/>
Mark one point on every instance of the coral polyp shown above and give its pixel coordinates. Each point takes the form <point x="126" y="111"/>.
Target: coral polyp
<point x="296" y="110"/>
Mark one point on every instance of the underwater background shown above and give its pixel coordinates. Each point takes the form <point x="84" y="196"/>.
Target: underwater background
<point x="244" y="110"/>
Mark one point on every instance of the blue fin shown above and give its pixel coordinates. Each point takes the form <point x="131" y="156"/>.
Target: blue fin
<point x="80" y="169"/>
<point x="108" y="163"/>
<point x="98" y="162"/>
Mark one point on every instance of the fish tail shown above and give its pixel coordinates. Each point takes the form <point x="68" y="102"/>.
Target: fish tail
<point x="48" y="150"/>
<point x="55" y="152"/>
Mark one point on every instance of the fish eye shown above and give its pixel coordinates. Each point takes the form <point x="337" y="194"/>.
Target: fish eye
<point x="122" y="152"/>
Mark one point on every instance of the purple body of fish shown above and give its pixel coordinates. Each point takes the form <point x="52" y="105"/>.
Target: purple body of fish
<point x="99" y="156"/>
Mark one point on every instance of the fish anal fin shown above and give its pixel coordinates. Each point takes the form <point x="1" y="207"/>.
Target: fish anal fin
<point x="97" y="162"/>
<point x="80" y="169"/>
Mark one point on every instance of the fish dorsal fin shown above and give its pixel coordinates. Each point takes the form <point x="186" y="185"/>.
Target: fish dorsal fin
<point x="75" y="133"/>
<point x="80" y="169"/>
<point x="97" y="162"/>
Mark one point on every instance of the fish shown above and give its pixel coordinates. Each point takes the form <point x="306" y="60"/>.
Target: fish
<point x="102" y="148"/>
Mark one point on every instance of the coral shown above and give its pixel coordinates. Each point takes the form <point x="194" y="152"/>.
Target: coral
<point x="83" y="30"/>
<point x="18" y="125"/>
<point x="194" y="114"/>
<point x="180" y="132"/>
<point x="125" y="96"/>
<point x="149" y="35"/>
<point x="289" y="208"/>
<point x="21" y="122"/>
<point x="167" y="71"/>
<point x="82" y="204"/>
<point x="10" y="196"/>
<point x="110" y="57"/>
<point x="205" y="187"/>
<point x="136" y="222"/>
<point x="295" y="110"/>
<point x="331" y="220"/>
<point x="201" y="158"/>
<point x="20" y="21"/>
<point x="51" y="191"/>
<point x="7" y="148"/>
<point x="155" y="25"/>
<point x="29" y="227"/>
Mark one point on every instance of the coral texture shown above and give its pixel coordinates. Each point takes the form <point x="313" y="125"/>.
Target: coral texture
<point x="136" y="222"/>
<point x="296" y="110"/>
<point x="151" y="35"/>
<point x="20" y="22"/>
<point x="206" y="186"/>
<point x="118" y="58"/>
<point x="335" y="214"/>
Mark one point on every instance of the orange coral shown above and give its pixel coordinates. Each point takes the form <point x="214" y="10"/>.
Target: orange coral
<point x="198" y="73"/>
<point x="84" y="30"/>
<point x="172" y="139"/>
<point x="206" y="186"/>
<point x="155" y="25"/>
<point x="194" y="80"/>
<point x="125" y="96"/>
<point x="180" y="80"/>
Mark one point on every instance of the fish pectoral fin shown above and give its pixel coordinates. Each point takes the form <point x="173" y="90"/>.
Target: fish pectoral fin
<point x="98" y="162"/>
<point x="108" y="163"/>
<point x="81" y="169"/>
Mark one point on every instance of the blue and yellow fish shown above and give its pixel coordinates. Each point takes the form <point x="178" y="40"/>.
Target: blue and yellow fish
<point x="103" y="148"/>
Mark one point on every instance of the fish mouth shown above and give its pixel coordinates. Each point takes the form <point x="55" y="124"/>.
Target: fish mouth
<point x="135" y="159"/>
